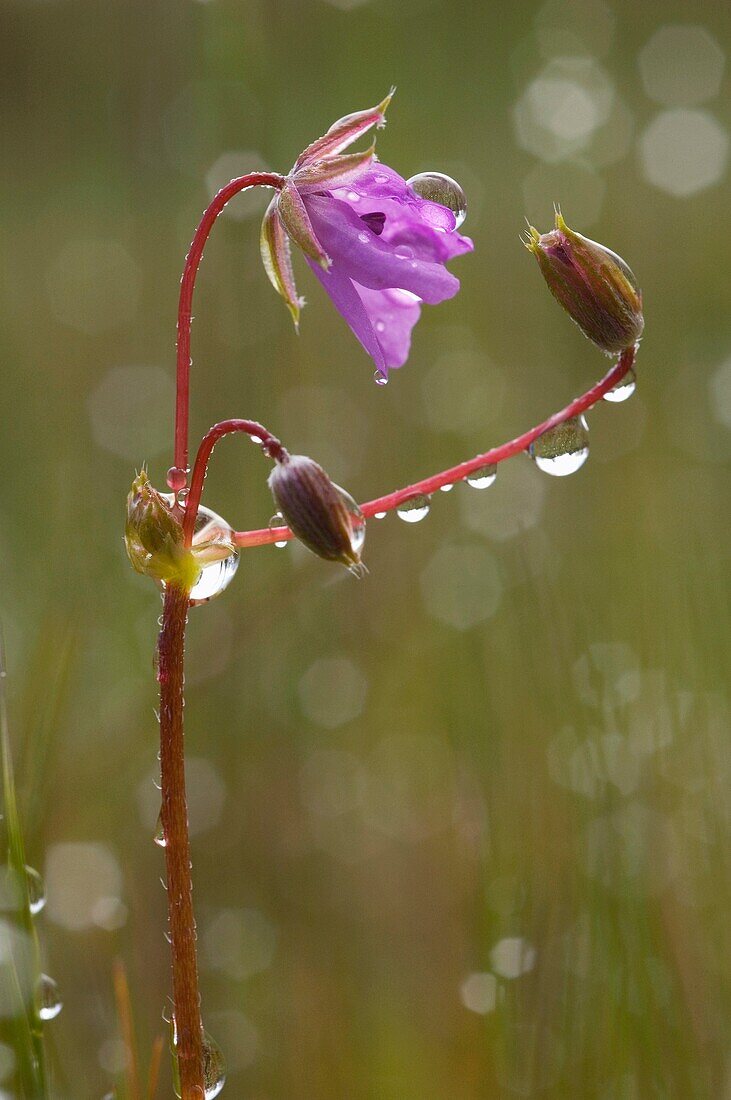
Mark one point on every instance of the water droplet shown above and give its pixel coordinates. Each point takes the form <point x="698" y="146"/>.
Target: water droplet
<point x="442" y="189"/>
<point x="447" y="488"/>
<point x="353" y="196"/>
<point x="404" y="252"/>
<point x="36" y="890"/>
<point x="217" y="574"/>
<point x="380" y="515"/>
<point x="159" y="836"/>
<point x="562" y="450"/>
<point x="483" y="477"/>
<point x="380" y="378"/>
<point x="177" y="478"/>
<point x="277" y="520"/>
<point x="357" y="521"/>
<point x="414" y="510"/>
<point x="624" y="388"/>
<point x="48" y="998"/>
<point x="363" y="238"/>
<point x="255" y="438"/>
<point x="214" y="1067"/>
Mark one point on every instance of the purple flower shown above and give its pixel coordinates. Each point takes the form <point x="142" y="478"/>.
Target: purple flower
<point x="378" y="248"/>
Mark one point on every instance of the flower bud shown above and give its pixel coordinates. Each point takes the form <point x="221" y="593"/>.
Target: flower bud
<point x="154" y="537"/>
<point x="595" y="286"/>
<point x="319" y="513"/>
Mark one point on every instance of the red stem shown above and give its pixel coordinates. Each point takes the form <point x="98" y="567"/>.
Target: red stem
<point x="458" y="473"/>
<point x="186" y="998"/>
<point x="270" y="445"/>
<point x="187" y="285"/>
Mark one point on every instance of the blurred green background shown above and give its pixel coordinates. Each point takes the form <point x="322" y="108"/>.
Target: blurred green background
<point x="460" y="830"/>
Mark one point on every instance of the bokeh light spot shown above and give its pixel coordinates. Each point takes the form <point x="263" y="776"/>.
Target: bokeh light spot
<point x="461" y="585"/>
<point x="332" y="692"/>
<point x="683" y="152"/>
<point x="128" y="410"/>
<point x="77" y="876"/>
<point x="682" y="66"/>
<point x="93" y="286"/>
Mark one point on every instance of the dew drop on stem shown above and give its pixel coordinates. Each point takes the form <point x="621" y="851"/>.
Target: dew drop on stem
<point x="48" y="998"/>
<point x="483" y="477"/>
<point x="36" y="890"/>
<point x="624" y="388"/>
<point x="414" y="510"/>
<point x="562" y="450"/>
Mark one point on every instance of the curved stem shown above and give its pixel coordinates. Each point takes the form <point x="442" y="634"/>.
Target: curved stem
<point x="270" y="445"/>
<point x="457" y="473"/>
<point x="186" y="998"/>
<point x="187" y="285"/>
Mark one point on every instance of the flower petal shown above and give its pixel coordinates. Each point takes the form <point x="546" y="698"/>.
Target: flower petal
<point x="275" y="254"/>
<point x="369" y="260"/>
<point x="344" y="132"/>
<point x="297" y="223"/>
<point x="349" y="304"/>
<point x="393" y="314"/>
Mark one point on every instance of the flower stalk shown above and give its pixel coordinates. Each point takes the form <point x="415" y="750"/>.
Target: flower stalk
<point x="391" y="501"/>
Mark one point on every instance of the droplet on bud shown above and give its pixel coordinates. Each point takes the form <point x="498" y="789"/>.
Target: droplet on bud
<point x="483" y="477"/>
<point x="442" y="189"/>
<point x="36" y="890"/>
<point x="414" y="510"/>
<point x="562" y="450"/>
<point x="48" y="998"/>
<point x="177" y="478"/>
<point x="624" y="388"/>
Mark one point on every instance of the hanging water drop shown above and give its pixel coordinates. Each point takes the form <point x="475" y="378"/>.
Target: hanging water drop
<point x="447" y="488"/>
<point x="380" y="378"/>
<point x="48" y="998"/>
<point x="624" y="388"/>
<point x="483" y="477"/>
<point x="442" y="189"/>
<point x="36" y="890"/>
<point x="357" y="521"/>
<point x="562" y="450"/>
<point x="380" y="515"/>
<point x="214" y="1067"/>
<point x="159" y="837"/>
<point x="177" y="478"/>
<point x="213" y="545"/>
<point x="414" y="510"/>
<point x="277" y="520"/>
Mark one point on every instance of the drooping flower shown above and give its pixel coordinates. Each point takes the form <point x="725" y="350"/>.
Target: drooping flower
<point x="593" y="284"/>
<point x="377" y="246"/>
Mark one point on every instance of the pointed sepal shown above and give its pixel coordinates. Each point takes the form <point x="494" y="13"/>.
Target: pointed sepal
<point x="277" y="259"/>
<point x="334" y="171"/>
<point x="297" y="222"/>
<point x="344" y="132"/>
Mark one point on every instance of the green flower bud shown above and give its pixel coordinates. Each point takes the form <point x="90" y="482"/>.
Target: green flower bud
<point x="154" y="537"/>
<point x="594" y="285"/>
<point x="321" y="514"/>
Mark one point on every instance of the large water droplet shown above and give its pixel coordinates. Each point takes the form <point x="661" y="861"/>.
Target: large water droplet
<point x="217" y="575"/>
<point x="414" y="510"/>
<point x="440" y="188"/>
<point x="48" y="998"/>
<point x="380" y="378"/>
<point x="624" y="388"/>
<point x="562" y="450"/>
<point x="483" y="477"/>
<point x="177" y="478"/>
<point x="214" y="1067"/>
<point x="36" y="890"/>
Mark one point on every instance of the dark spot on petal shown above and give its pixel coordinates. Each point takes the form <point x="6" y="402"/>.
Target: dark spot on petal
<point x="375" y="222"/>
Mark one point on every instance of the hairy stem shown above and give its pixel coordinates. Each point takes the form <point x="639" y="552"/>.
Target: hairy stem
<point x="270" y="444"/>
<point x="187" y="285"/>
<point x="186" y="998"/>
<point x="457" y="473"/>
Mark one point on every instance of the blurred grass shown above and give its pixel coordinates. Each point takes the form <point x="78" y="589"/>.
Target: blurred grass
<point x="555" y="770"/>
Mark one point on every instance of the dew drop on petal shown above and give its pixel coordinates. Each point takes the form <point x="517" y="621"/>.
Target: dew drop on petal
<point x="624" y="388"/>
<point x="48" y="998"/>
<point x="483" y="477"/>
<point x="36" y="890"/>
<point x="380" y="378"/>
<point x="442" y="189"/>
<point x="214" y="1067"/>
<point x="414" y="510"/>
<point x="562" y="450"/>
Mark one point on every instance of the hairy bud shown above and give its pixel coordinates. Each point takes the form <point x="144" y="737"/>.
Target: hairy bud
<point x="322" y="516"/>
<point x="594" y="285"/>
<point x="154" y="537"/>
